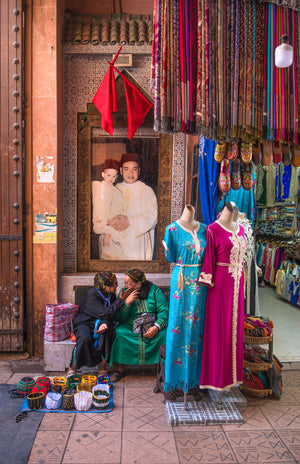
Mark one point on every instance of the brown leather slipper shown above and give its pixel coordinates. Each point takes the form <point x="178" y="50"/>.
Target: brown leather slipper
<point x="256" y="153"/>
<point x="286" y="154"/>
<point x="247" y="176"/>
<point x="296" y="155"/>
<point x="236" y="181"/>
<point x="267" y="157"/>
<point x="277" y="152"/>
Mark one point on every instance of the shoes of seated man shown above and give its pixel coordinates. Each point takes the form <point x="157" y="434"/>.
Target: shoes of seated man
<point x="71" y="372"/>
<point x="116" y="376"/>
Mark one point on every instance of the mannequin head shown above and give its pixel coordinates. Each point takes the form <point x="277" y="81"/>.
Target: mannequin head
<point x="187" y="219"/>
<point x="231" y="206"/>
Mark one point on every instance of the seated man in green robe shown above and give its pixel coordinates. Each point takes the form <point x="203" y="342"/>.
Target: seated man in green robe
<point x="130" y="348"/>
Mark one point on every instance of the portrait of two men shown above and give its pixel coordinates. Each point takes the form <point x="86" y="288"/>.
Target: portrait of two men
<point x="124" y="199"/>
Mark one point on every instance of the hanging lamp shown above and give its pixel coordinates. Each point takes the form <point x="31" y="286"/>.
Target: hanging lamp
<point x="284" y="53"/>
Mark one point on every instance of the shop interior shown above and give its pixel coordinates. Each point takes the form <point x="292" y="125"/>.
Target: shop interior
<point x="273" y="208"/>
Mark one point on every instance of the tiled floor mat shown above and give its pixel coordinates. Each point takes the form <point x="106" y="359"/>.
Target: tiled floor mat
<point x="234" y="395"/>
<point x="202" y="413"/>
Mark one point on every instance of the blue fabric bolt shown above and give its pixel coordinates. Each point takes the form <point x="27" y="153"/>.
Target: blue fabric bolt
<point x="208" y="179"/>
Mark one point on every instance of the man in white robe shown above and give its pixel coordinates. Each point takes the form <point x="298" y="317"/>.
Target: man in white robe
<point x="139" y="216"/>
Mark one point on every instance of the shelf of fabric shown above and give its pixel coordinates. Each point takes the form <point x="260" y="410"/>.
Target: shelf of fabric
<point x="259" y="367"/>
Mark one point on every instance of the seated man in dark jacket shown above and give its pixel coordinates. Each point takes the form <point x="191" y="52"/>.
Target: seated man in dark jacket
<point x="93" y="326"/>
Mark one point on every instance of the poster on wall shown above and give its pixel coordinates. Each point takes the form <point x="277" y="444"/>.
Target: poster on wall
<point x="45" y="228"/>
<point x="45" y="169"/>
<point x="124" y="198"/>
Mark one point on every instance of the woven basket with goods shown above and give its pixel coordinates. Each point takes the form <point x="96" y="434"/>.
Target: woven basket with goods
<point x="36" y="400"/>
<point x="68" y="400"/>
<point x="103" y="378"/>
<point x="256" y="358"/>
<point x="253" y="384"/>
<point x="58" y="384"/>
<point x="101" y="397"/>
<point x="73" y="380"/>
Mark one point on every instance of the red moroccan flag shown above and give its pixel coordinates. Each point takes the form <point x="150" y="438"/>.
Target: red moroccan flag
<point x="137" y="107"/>
<point x="105" y="99"/>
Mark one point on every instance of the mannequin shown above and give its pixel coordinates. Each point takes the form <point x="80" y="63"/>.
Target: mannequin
<point x="229" y="216"/>
<point x="222" y="273"/>
<point x="184" y="244"/>
<point x="187" y="219"/>
<point x="251" y="270"/>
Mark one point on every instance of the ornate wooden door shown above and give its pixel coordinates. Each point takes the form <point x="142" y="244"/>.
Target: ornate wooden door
<point x="11" y="177"/>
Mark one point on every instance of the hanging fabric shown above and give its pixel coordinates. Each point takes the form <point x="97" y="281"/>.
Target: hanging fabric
<point x="213" y="70"/>
<point x="208" y="173"/>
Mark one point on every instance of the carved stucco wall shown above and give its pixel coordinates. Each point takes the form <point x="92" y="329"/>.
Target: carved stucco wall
<point x="84" y="69"/>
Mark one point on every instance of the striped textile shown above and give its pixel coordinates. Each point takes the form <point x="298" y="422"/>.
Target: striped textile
<point x="213" y="70"/>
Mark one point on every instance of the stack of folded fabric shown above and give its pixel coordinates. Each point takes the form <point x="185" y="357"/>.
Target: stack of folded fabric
<point x="257" y="326"/>
<point x="256" y="381"/>
<point x="256" y="354"/>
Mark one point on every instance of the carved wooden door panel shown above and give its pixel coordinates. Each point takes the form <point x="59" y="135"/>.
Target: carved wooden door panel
<point x="11" y="178"/>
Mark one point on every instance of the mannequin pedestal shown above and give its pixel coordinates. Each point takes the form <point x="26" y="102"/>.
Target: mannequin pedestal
<point x="208" y="412"/>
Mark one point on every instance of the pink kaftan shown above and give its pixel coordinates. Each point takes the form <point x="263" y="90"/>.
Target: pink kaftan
<point x="222" y="272"/>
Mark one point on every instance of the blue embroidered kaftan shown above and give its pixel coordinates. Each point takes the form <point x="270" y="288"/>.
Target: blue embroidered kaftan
<point x="187" y="307"/>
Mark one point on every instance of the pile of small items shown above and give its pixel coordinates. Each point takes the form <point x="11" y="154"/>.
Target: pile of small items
<point x="76" y="392"/>
<point x="257" y="326"/>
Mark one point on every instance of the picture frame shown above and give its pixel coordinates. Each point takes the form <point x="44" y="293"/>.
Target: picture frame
<point x="155" y="158"/>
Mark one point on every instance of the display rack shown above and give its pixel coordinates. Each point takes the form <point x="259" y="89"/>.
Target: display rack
<point x="279" y="220"/>
<point x="257" y="367"/>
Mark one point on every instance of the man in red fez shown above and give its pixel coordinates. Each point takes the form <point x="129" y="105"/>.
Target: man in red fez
<point x="139" y="216"/>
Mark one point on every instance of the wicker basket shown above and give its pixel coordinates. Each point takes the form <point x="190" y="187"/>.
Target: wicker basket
<point x="258" y="393"/>
<point x="58" y="384"/>
<point x="258" y="340"/>
<point x="103" y="378"/>
<point x="72" y="381"/>
<point x="101" y="397"/>
<point x="68" y="400"/>
<point x="36" y="400"/>
<point x="256" y="367"/>
<point x="91" y="379"/>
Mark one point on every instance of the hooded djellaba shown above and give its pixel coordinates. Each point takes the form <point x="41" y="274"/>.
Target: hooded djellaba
<point x="130" y="348"/>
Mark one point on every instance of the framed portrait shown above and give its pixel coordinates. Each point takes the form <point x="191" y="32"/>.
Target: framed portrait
<point x="123" y="197"/>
